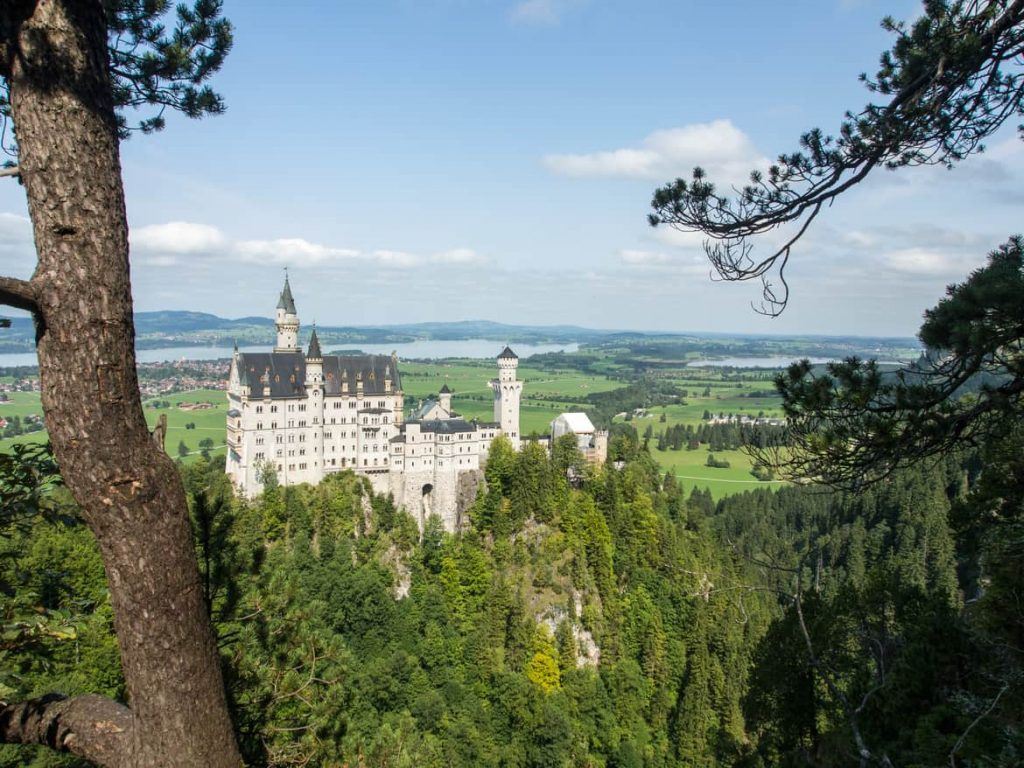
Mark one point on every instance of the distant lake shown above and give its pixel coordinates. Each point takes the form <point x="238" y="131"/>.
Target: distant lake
<point x="425" y="349"/>
<point x="765" y="362"/>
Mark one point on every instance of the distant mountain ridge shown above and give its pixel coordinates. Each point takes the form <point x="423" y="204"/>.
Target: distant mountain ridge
<point x="182" y="328"/>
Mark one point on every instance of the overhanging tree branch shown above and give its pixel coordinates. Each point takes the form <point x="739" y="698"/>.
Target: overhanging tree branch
<point x="20" y="294"/>
<point x="955" y="76"/>
<point x="92" y="727"/>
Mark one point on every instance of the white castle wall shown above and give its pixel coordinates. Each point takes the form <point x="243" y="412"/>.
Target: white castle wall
<point x="302" y="439"/>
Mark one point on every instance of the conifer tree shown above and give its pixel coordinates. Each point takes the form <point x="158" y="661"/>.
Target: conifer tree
<point x="67" y="68"/>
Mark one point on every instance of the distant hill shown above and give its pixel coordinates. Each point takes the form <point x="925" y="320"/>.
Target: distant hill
<point x="181" y="328"/>
<point x="175" y="328"/>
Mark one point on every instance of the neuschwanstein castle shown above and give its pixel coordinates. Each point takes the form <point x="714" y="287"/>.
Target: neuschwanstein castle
<point x="304" y="416"/>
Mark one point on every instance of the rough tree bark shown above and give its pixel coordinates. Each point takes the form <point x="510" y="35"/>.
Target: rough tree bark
<point x="54" y="57"/>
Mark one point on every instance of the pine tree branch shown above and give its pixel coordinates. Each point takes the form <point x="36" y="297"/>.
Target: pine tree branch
<point x="92" y="727"/>
<point x="20" y="294"/>
<point x="978" y="719"/>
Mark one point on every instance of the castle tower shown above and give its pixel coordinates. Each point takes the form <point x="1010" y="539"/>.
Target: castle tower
<point x="287" y="321"/>
<point x="507" y="391"/>
<point x="444" y="399"/>
<point x="315" y="397"/>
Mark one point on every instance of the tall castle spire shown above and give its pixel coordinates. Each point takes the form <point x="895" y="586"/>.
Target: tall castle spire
<point x="314" y="346"/>
<point x="287" y="320"/>
<point x="286" y="302"/>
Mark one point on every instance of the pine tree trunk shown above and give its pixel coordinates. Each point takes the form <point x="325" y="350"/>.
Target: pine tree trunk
<point x="130" y="493"/>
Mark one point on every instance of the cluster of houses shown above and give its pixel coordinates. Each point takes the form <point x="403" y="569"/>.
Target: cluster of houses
<point x="745" y="420"/>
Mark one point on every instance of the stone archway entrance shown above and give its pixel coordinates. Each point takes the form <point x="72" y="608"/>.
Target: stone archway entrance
<point x="427" y="503"/>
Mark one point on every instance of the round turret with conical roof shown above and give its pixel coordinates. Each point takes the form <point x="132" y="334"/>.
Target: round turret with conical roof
<point x="287" y="321"/>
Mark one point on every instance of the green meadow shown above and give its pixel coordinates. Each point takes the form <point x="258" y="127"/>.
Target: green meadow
<point x="208" y="422"/>
<point x="690" y="467"/>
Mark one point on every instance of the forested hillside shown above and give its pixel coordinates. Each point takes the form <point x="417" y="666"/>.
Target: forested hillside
<point x="616" y="624"/>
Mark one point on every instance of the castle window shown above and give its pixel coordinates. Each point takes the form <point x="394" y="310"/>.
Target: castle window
<point x="273" y="409"/>
<point x="259" y="409"/>
<point x="259" y="425"/>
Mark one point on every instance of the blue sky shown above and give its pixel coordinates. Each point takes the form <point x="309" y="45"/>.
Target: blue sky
<point x="421" y="160"/>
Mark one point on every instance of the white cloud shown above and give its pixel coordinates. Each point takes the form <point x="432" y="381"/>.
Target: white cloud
<point x="541" y="12"/>
<point x="180" y="237"/>
<point x="911" y="256"/>
<point x="396" y="258"/>
<point x="719" y="147"/>
<point x="458" y="256"/>
<point x="164" y="245"/>
<point x="677" y="238"/>
<point x="679" y="264"/>
<point x="287" y="250"/>
<point x="920" y="261"/>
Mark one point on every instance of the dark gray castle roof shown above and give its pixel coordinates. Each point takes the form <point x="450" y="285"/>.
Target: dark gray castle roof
<point x="446" y="426"/>
<point x="423" y="410"/>
<point x="314" y="346"/>
<point x="508" y="354"/>
<point x="286" y="302"/>
<point x="284" y="374"/>
<point x="445" y="390"/>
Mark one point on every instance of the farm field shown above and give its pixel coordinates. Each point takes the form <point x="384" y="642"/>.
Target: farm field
<point x="691" y="471"/>
<point x="209" y="422"/>
<point x="690" y="467"/>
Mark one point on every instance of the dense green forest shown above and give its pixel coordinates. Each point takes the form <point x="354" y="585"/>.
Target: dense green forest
<point x="616" y="624"/>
